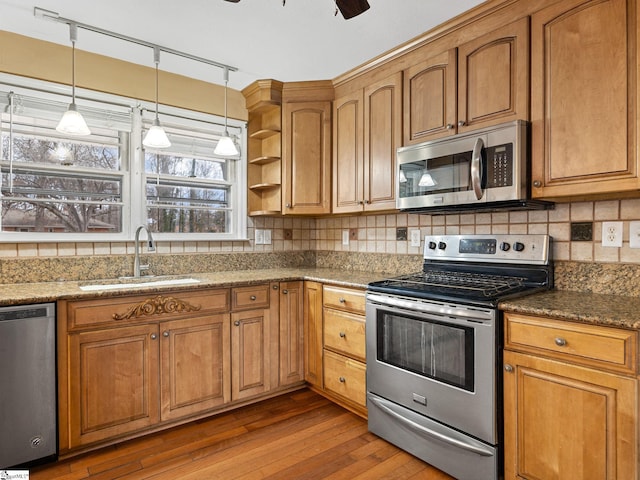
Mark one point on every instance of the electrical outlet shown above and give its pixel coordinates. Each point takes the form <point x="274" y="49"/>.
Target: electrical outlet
<point x="267" y="237"/>
<point x="611" y="234"/>
<point x="259" y="237"/>
<point x="345" y="237"/>
<point x="415" y="237"/>
<point x="634" y="234"/>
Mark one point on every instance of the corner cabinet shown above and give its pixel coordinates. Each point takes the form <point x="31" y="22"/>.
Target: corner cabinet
<point x="570" y="400"/>
<point x="492" y="73"/>
<point x="367" y="130"/>
<point x="584" y="99"/>
<point x="264" y="150"/>
<point x="306" y="144"/>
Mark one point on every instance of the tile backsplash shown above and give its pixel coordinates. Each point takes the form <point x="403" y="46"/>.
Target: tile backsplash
<point x="377" y="234"/>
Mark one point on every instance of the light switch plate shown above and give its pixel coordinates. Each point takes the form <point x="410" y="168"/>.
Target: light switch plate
<point x="267" y="237"/>
<point x="415" y="237"/>
<point x="345" y="237"/>
<point x="259" y="236"/>
<point x="634" y="234"/>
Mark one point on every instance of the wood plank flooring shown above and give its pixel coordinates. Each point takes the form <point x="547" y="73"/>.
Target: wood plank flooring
<point x="298" y="436"/>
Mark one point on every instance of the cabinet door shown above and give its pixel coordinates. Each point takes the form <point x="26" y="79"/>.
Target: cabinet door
<point x="313" y="333"/>
<point x="291" y="345"/>
<point x="195" y="365"/>
<point x="493" y="77"/>
<point x="583" y="98"/>
<point x="307" y="157"/>
<point x="567" y="422"/>
<point x="114" y="383"/>
<point x="430" y="98"/>
<point x="250" y="354"/>
<point x="347" y="154"/>
<point x="382" y="137"/>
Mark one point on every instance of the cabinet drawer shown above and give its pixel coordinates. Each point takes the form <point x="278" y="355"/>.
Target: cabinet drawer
<point x="346" y="377"/>
<point x="245" y="298"/>
<point x="156" y="306"/>
<point x="344" y="332"/>
<point x="594" y="345"/>
<point x="344" y="298"/>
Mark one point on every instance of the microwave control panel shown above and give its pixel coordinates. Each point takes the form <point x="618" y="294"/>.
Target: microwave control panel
<point x="499" y="165"/>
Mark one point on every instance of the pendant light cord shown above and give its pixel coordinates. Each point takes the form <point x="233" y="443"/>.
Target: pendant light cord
<point x="156" y="59"/>
<point x="73" y="34"/>
<point x="226" y="81"/>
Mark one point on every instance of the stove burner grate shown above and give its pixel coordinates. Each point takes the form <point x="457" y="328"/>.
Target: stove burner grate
<point x="486" y="285"/>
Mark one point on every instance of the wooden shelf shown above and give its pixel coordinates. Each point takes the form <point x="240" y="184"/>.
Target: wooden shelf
<point x="263" y="213"/>
<point x="264" y="133"/>
<point x="264" y="186"/>
<point x="263" y="160"/>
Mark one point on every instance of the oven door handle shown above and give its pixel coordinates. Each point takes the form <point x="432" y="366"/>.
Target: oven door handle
<point x="458" y="441"/>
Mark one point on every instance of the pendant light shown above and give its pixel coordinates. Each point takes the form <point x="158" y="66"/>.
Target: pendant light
<point x="156" y="136"/>
<point x="72" y="122"/>
<point x="226" y="147"/>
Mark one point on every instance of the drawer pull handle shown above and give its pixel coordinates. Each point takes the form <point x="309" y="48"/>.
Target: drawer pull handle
<point x="342" y="300"/>
<point x="342" y="334"/>
<point x="253" y="297"/>
<point x="342" y="379"/>
<point x="561" y="342"/>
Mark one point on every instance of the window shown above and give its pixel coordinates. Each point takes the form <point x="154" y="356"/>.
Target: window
<point x="57" y="188"/>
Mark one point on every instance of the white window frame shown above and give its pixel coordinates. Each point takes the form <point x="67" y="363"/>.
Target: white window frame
<point x="134" y="210"/>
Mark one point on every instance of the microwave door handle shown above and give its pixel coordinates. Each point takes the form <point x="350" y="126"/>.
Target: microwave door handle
<point x="476" y="168"/>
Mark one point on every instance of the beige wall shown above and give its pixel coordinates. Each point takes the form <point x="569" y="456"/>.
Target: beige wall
<point x="33" y="58"/>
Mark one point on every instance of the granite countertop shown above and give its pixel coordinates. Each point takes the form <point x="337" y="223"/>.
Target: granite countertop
<point x="27" y="293"/>
<point x="584" y="307"/>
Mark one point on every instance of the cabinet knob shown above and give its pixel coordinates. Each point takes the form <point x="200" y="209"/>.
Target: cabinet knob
<point x="165" y="334"/>
<point x="367" y="202"/>
<point x="252" y="297"/>
<point x="342" y="379"/>
<point x="508" y="368"/>
<point x="342" y="334"/>
<point x="537" y="183"/>
<point x="275" y="287"/>
<point x="561" y="342"/>
<point x="153" y="336"/>
<point x="285" y="291"/>
<point x="342" y="300"/>
<point x="288" y="205"/>
<point x="450" y="126"/>
<point x="462" y="123"/>
<point x="237" y="323"/>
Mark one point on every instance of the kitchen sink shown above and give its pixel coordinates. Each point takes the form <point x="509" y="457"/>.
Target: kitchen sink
<point x="136" y="282"/>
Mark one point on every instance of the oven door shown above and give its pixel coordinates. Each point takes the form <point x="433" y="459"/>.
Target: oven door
<point x="437" y="359"/>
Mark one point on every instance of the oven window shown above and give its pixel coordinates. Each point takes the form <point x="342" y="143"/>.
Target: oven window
<point x="429" y="348"/>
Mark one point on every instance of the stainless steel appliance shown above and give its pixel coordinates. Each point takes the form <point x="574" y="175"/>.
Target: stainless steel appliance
<point x="28" y="419"/>
<point x="434" y="348"/>
<point x="485" y="169"/>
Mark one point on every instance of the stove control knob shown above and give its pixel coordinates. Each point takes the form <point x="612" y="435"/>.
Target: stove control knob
<point x="442" y="245"/>
<point x="432" y="245"/>
<point x="518" y="247"/>
<point x="504" y="246"/>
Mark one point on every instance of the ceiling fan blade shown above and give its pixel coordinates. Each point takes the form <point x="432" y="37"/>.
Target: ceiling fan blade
<point x="351" y="8"/>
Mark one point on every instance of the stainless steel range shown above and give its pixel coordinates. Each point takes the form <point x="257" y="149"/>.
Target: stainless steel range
<point x="434" y="348"/>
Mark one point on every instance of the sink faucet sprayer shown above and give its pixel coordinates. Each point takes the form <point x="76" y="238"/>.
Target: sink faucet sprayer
<point x="151" y="247"/>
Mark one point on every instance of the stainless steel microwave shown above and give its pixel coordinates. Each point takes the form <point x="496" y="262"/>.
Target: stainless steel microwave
<point x="484" y="169"/>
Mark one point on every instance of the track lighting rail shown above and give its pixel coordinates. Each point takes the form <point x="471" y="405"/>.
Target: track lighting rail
<point x="55" y="17"/>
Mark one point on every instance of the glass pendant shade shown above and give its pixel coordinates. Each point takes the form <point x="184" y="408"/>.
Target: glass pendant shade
<point x="72" y="122"/>
<point x="156" y="137"/>
<point x="226" y="146"/>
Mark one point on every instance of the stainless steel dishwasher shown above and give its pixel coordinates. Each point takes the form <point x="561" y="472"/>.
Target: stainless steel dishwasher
<point x="28" y="420"/>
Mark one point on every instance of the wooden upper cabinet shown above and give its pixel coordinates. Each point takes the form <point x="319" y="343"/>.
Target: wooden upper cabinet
<point x="583" y="98"/>
<point x="430" y="98"/>
<point x="382" y="137"/>
<point x="493" y="77"/>
<point x="367" y="130"/>
<point x="307" y="157"/>
<point x="481" y="83"/>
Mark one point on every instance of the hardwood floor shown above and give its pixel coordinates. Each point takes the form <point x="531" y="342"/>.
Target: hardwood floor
<point x="300" y="435"/>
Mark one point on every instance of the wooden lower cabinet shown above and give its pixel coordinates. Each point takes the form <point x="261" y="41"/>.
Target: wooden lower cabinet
<point x="562" y="418"/>
<point x="313" y="333"/>
<point x="194" y="365"/>
<point x="114" y="386"/>
<point x="291" y="307"/>
<point x="250" y="355"/>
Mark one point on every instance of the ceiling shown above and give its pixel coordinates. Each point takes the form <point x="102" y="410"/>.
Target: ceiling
<point x="302" y="40"/>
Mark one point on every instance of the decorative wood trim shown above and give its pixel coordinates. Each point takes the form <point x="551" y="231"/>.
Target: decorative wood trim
<point x="157" y="306"/>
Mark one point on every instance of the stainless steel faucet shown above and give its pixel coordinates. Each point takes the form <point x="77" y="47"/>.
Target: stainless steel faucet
<point x="151" y="247"/>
